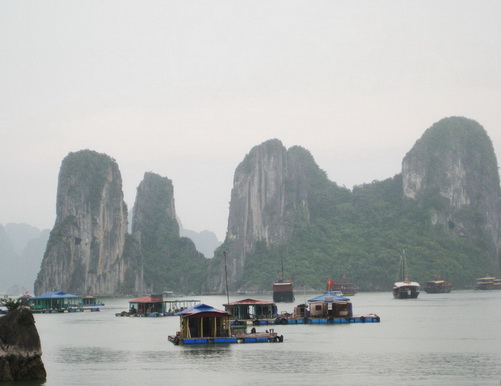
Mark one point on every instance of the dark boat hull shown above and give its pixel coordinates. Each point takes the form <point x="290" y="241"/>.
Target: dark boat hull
<point x="283" y="292"/>
<point x="405" y="293"/>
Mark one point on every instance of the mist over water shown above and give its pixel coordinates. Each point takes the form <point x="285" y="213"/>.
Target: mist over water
<point x="440" y="339"/>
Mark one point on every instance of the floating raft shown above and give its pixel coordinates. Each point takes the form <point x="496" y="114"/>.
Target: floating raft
<point x="371" y="318"/>
<point x="64" y="310"/>
<point x="228" y="340"/>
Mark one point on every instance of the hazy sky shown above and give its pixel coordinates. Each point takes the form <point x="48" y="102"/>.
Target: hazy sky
<point x="186" y="88"/>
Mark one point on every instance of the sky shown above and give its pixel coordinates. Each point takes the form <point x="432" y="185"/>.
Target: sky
<point x="186" y="88"/>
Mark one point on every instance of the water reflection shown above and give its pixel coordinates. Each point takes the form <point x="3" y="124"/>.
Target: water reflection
<point x="91" y="354"/>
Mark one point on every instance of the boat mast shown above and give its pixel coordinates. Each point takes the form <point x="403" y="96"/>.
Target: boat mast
<point x="226" y="277"/>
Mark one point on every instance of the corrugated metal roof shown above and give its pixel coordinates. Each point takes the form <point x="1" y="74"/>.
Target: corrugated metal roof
<point x="55" y="295"/>
<point x="248" y="301"/>
<point x="328" y="297"/>
<point x="146" y="299"/>
<point x="201" y="308"/>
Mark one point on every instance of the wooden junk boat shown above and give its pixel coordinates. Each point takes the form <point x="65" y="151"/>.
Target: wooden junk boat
<point x="405" y="289"/>
<point x="438" y="286"/>
<point x="328" y="308"/>
<point x="203" y="324"/>
<point x="488" y="283"/>
<point x="283" y="290"/>
<point x="344" y="286"/>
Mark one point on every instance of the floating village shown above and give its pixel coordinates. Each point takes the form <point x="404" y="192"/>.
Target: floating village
<point x="241" y="321"/>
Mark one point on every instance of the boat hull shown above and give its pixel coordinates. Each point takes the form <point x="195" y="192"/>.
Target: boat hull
<point x="405" y="294"/>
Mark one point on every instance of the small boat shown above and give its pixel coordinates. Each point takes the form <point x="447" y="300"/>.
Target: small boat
<point x="156" y="305"/>
<point x="283" y="290"/>
<point x="405" y="289"/>
<point x="488" y="283"/>
<point x="58" y="302"/>
<point x="252" y="311"/>
<point x="203" y="324"/>
<point x="438" y="286"/>
<point x="329" y="308"/>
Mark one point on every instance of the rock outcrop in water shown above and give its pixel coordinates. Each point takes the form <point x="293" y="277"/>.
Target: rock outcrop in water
<point x="171" y="262"/>
<point x="270" y="193"/>
<point x="85" y="251"/>
<point x="452" y="171"/>
<point x="20" y="348"/>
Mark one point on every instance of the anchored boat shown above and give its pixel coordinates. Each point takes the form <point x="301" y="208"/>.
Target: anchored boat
<point x="405" y="289"/>
<point x="203" y="324"/>
<point x="438" y="286"/>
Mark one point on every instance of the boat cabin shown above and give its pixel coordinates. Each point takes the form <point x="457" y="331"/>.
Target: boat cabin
<point x="330" y="305"/>
<point x="250" y="309"/>
<point x="202" y="322"/>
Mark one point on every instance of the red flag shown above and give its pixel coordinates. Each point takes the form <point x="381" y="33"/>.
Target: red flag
<point x="329" y="283"/>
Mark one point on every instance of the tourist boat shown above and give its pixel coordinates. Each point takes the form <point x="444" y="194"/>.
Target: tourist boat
<point x="438" y="286"/>
<point x="488" y="283"/>
<point x="252" y="311"/>
<point x="156" y="305"/>
<point x="203" y="324"/>
<point x="329" y="308"/>
<point x="283" y="290"/>
<point x="344" y="286"/>
<point x="57" y="302"/>
<point x="405" y="289"/>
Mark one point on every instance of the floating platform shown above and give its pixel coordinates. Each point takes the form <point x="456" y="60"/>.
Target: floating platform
<point x="266" y="338"/>
<point x="65" y="310"/>
<point x="370" y="318"/>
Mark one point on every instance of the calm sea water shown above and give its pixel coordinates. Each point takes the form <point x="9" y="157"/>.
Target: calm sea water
<point x="447" y="339"/>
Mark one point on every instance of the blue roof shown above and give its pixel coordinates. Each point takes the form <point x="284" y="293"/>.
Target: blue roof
<point x="329" y="297"/>
<point x="199" y="308"/>
<point x="55" y="295"/>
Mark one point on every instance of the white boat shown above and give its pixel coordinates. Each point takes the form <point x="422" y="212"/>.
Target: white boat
<point x="405" y="289"/>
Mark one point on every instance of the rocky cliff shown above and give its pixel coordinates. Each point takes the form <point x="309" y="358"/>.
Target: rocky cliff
<point x="20" y="348"/>
<point x="85" y="251"/>
<point x="270" y="194"/>
<point x="453" y="172"/>
<point x="171" y="262"/>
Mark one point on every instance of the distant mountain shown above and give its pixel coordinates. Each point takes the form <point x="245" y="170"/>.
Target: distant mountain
<point x="444" y="209"/>
<point x="21" y="250"/>
<point x="205" y="241"/>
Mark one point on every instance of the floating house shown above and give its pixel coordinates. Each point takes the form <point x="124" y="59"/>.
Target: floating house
<point x="328" y="308"/>
<point x="156" y="305"/>
<point x="57" y="302"/>
<point x="203" y="324"/>
<point x="252" y="311"/>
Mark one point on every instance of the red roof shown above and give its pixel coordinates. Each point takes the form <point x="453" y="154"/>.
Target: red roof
<point x="248" y="301"/>
<point x="147" y="299"/>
